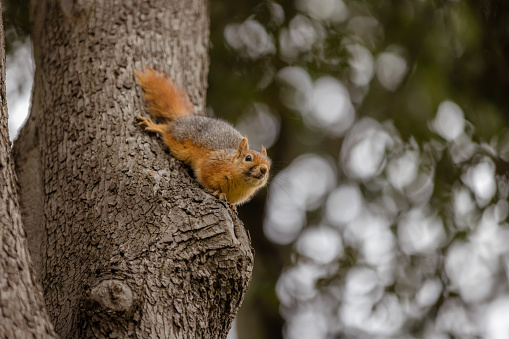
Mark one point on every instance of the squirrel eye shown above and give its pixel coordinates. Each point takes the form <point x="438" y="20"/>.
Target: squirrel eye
<point x="248" y="158"/>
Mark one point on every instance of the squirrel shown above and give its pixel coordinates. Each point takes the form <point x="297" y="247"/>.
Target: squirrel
<point x="217" y="153"/>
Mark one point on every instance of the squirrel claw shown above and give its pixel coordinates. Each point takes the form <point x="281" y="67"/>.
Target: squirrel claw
<point x="220" y="195"/>
<point x="144" y="122"/>
<point x="150" y="126"/>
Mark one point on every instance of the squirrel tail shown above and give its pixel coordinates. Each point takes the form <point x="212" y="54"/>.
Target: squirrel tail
<point x="164" y="98"/>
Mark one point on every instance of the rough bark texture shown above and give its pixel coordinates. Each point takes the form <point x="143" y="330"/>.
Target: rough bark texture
<point x="127" y="243"/>
<point x="22" y="311"/>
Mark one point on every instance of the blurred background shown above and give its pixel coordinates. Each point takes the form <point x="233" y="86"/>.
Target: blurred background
<point x="387" y="123"/>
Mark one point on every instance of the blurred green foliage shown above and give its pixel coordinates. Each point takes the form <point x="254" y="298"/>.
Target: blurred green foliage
<point x="454" y="51"/>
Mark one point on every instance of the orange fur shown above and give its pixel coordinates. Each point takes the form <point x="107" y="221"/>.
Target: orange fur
<point x="223" y="177"/>
<point x="165" y="99"/>
<point x="214" y="169"/>
<point x="187" y="151"/>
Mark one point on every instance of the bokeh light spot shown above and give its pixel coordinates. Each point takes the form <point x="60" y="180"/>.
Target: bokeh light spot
<point x="331" y="108"/>
<point x="327" y="10"/>
<point x="343" y="204"/>
<point x="363" y="151"/>
<point x="361" y="64"/>
<point x="261" y="125"/>
<point x="250" y="38"/>
<point x="481" y="180"/>
<point x="390" y="69"/>
<point x="420" y="232"/>
<point x="322" y="244"/>
<point x="449" y="121"/>
<point x="301" y="186"/>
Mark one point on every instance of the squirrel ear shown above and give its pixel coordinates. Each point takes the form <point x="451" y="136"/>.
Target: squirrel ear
<point x="264" y="151"/>
<point x="243" y="146"/>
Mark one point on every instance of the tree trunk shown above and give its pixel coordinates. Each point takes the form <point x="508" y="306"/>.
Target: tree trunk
<point x="22" y="311"/>
<point x="126" y="243"/>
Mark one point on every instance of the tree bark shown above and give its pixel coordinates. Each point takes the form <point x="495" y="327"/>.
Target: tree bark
<point x="126" y="243"/>
<point x="22" y="311"/>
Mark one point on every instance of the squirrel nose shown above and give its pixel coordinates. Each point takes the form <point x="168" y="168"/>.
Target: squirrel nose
<point x="263" y="169"/>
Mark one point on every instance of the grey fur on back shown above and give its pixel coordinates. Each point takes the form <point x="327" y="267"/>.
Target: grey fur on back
<point x="215" y="133"/>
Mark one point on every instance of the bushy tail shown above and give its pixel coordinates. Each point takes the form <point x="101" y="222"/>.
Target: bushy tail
<point x="164" y="98"/>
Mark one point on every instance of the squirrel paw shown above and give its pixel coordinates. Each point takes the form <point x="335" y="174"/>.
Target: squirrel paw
<point x="144" y="121"/>
<point x="149" y="125"/>
<point x="222" y="196"/>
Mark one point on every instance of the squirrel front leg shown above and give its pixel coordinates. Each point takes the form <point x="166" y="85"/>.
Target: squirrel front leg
<point x="222" y="196"/>
<point x="150" y="126"/>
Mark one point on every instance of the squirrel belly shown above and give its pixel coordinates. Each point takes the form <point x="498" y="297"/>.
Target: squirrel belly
<point x="216" y="152"/>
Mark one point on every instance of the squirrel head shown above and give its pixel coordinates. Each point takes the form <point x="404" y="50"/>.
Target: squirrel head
<point x="254" y="166"/>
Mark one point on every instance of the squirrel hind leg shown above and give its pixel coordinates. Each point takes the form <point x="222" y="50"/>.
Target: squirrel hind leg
<point x="150" y="126"/>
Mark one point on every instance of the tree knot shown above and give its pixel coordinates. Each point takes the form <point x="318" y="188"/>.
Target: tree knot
<point x="113" y="294"/>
